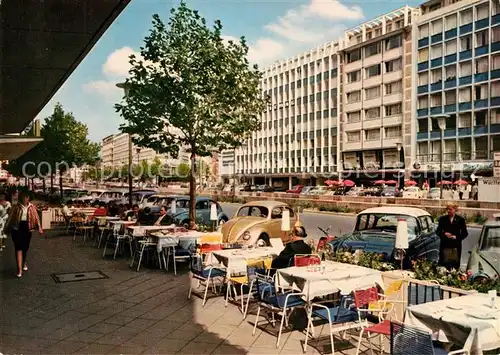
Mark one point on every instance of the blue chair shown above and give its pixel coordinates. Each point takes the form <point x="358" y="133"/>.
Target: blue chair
<point x="408" y="340"/>
<point x="274" y="302"/>
<point x="343" y="316"/>
<point x="204" y="274"/>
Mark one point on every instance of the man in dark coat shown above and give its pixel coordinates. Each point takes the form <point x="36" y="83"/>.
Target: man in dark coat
<point x="295" y="247"/>
<point x="452" y="230"/>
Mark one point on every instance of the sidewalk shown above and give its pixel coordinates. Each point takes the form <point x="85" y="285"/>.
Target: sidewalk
<point x="130" y="312"/>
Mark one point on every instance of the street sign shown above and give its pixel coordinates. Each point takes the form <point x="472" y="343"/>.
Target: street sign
<point x="496" y="164"/>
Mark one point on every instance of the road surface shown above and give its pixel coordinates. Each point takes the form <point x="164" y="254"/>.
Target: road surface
<point x="341" y="224"/>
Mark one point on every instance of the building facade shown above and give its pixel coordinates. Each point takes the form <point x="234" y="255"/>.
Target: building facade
<point x="458" y="77"/>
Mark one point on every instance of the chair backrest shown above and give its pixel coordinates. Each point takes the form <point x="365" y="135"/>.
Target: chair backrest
<point x="393" y="288"/>
<point x="211" y="238"/>
<point x="408" y="340"/>
<point x="209" y="247"/>
<point x="265" y="286"/>
<point x="301" y="260"/>
<point x="363" y="298"/>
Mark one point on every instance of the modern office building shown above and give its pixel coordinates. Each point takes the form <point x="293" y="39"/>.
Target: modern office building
<point x="458" y="77"/>
<point x="376" y="95"/>
<point x="115" y="153"/>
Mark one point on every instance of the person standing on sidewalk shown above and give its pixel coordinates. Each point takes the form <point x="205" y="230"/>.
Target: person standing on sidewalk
<point x="4" y="215"/>
<point x="452" y="230"/>
<point x="23" y="219"/>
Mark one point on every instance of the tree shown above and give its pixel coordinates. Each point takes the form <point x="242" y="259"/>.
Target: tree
<point x="191" y="89"/>
<point x="65" y="143"/>
<point x="183" y="170"/>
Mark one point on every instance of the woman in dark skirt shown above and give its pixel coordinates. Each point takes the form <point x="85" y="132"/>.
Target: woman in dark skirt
<point x="23" y="219"/>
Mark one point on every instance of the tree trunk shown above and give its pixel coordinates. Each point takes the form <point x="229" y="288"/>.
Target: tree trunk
<point x="192" y="190"/>
<point x="61" y="184"/>
<point x="44" y="187"/>
<point x="51" y="182"/>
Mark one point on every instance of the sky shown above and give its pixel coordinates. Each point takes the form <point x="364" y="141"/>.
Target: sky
<point x="275" y="30"/>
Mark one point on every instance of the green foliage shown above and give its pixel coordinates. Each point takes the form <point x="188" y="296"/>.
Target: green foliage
<point x="191" y="90"/>
<point x="183" y="170"/>
<point x="370" y="260"/>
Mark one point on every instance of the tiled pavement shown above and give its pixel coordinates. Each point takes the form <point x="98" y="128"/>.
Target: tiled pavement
<point x="131" y="312"/>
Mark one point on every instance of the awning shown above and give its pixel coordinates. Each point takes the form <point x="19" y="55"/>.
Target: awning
<point x="12" y="147"/>
<point x="41" y="43"/>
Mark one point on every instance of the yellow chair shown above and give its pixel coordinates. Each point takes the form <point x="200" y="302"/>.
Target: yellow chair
<point x="211" y="238"/>
<point x="392" y="295"/>
<point x="246" y="281"/>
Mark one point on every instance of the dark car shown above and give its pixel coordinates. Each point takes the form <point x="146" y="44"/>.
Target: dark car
<point x="375" y="231"/>
<point x="203" y="210"/>
<point x="264" y="188"/>
<point x="389" y="191"/>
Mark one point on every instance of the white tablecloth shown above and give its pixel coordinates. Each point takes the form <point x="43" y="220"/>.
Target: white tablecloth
<point x="236" y="259"/>
<point x="142" y="231"/>
<point x="459" y="325"/>
<point x="183" y="239"/>
<point x="336" y="277"/>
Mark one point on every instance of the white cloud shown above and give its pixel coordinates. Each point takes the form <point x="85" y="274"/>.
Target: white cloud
<point x="117" y="64"/>
<point x="103" y="87"/>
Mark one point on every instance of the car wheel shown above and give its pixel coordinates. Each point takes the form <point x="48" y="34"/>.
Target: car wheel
<point x="480" y="278"/>
<point x="222" y="221"/>
<point x="185" y="223"/>
<point x="265" y="238"/>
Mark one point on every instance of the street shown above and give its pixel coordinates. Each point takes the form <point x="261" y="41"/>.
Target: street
<point x="342" y="224"/>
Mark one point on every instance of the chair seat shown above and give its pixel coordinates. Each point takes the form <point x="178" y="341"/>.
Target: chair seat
<point x="383" y="328"/>
<point x="204" y="273"/>
<point x="279" y="301"/>
<point x="439" y="350"/>
<point x="345" y="315"/>
<point x="180" y="252"/>
<point x="243" y="280"/>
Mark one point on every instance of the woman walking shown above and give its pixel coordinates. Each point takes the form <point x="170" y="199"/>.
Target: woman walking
<point x="23" y="219"/>
<point x="4" y="215"/>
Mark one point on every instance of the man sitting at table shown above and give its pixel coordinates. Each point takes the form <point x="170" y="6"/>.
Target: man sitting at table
<point x="295" y="246"/>
<point x="164" y="219"/>
<point x="134" y="213"/>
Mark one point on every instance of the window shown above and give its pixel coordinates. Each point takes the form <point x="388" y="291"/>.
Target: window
<point x="393" y="88"/>
<point x="436" y="75"/>
<point x="466" y="43"/>
<point x="372" y="93"/>
<point x="436" y="100"/>
<point x="393" y="65"/>
<point x="466" y="17"/>
<point x="354" y="56"/>
<point x="496" y="8"/>
<point x="495" y="116"/>
<point x="482" y="11"/>
<point x="353" y="117"/>
<point x="372" y="71"/>
<point x="481" y="118"/>
<point x="423" y="78"/>
<point x="465" y="69"/>
<point x="482" y="38"/>
<point x="495" y="89"/>
<point x="495" y="62"/>
<point x="495" y="34"/>
<point x="372" y="113"/>
<point x="450" y="72"/>
<point x="393" y="132"/>
<point x="391" y="110"/>
<point x="464" y="95"/>
<point x="464" y="120"/>
<point x="481" y="65"/>
<point x="451" y="47"/>
<point x="423" y="55"/>
<point x="437" y="27"/>
<point x="423" y="102"/>
<point x="393" y="42"/>
<point x="436" y="51"/>
<point x="354" y="76"/>
<point x="372" y="134"/>
<point x="423" y="31"/>
<point x="450" y="22"/>
<point x="423" y="126"/>
<point x="450" y="97"/>
<point x="354" y="96"/>
<point x="372" y="49"/>
<point x="353" y="137"/>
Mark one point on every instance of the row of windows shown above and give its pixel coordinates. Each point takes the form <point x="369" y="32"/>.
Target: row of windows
<point x="374" y="134"/>
<point x="462" y="120"/>
<point x="374" y="113"/>
<point x="298" y="84"/>
<point x="375" y="92"/>
<point x="375" y="48"/>
<point x="375" y="70"/>
<point x="466" y="94"/>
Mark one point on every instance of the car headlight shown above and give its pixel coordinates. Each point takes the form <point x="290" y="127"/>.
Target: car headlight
<point x="246" y="235"/>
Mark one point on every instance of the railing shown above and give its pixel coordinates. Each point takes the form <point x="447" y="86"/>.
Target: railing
<point x="420" y="292"/>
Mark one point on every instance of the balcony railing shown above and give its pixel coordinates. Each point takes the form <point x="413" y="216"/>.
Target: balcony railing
<point x="423" y="66"/>
<point x="438" y="37"/>
<point x="436" y="62"/>
<point x="464" y="106"/>
<point x="465" y="80"/>
<point x="482" y="23"/>
<point x="481" y="50"/>
<point x="437" y="86"/>
<point x="450" y="83"/>
<point x="423" y="42"/>
<point x="450" y="33"/>
<point x="450" y="58"/>
<point x="465" y="55"/>
<point x="422" y="89"/>
<point x="465" y="29"/>
<point x="480" y="77"/>
<point x="495" y="74"/>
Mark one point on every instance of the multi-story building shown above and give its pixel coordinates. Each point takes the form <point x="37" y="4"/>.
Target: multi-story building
<point x="458" y="77"/>
<point x="115" y="153"/>
<point x="375" y="95"/>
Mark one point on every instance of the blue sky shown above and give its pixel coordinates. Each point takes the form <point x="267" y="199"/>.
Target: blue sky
<point x="275" y="30"/>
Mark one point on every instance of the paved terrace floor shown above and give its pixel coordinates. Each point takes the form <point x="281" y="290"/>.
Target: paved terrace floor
<point x="130" y="312"/>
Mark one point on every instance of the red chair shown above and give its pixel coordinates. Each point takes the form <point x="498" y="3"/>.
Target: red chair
<point x="302" y="260"/>
<point x="364" y="300"/>
<point x="208" y="248"/>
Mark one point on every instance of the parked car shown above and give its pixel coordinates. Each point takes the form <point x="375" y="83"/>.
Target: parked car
<point x="295" y="189"/>
<point x="264" y="188"/>
<point x="138" y="197"/>
<point x="182" y="202"/>
<point x="111" y="195"/>
<point x="256" y="221"/>
<point x="319" y="190"/>
<point x="355" y="191"/>
<point x="91" y="196"/>
<point x="375" y="231"/>
<point x="247" y="188"/>
<point x="484" y="259"/>
<point x="389" y="191"/>
<point x="306" y="190"/>
<point x="434" y="193"/>
<point x="203" y="209"/>
<point x="412" y="192"/>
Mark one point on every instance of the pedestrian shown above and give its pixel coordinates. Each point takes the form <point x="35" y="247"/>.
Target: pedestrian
<point x="23" y="219"/>
<point x="4" y="215"/>
<point x="474" y="191"/>
<point x="452" y="230"/>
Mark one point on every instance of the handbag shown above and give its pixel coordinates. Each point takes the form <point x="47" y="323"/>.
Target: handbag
<point x="450" y="255"/>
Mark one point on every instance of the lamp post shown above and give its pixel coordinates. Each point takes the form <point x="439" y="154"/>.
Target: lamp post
<point x="125" y="91"/>
<point x="442" y="126"/>
<point x="399" y="146"/>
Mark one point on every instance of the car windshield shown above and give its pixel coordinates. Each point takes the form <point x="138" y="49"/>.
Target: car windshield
<point x="389" y="189"/>
<point x="95" y="193"/>
<point x="255" y="211"/>
<point x="435" y="189"/>
<point x="491" y="241"/>
<point x="164" y="201"/>
<point x="385" y="223"/>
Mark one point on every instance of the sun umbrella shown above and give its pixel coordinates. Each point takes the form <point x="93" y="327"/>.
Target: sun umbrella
<point x="332" y="182"/>
<point x="461" y="182"/>
<point x="391" y="182"/>
<point x="348" y="183"/>
<point x="445" y="182"/>
<point x="410" y="183"/>
<point x="379" y="182"/>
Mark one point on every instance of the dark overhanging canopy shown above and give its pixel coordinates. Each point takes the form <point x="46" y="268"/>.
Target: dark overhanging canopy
<point x="41" y="43"/>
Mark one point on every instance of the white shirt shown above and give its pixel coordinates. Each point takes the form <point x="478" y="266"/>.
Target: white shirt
<point x="24" y="215"/>
<point x="66" y="210"/>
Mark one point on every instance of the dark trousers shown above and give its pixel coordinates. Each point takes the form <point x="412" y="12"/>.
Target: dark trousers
<point x="21" y="236"/>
